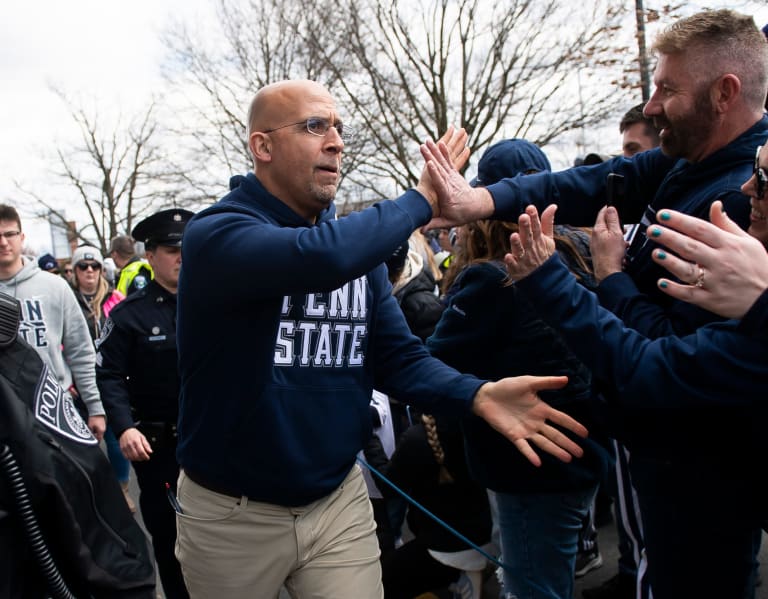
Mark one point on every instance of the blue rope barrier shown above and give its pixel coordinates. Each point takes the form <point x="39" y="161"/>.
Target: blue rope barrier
<point x="441" y="522"/>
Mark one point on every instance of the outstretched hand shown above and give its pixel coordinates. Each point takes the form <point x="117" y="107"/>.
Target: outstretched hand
<point x="513" y="408"/>
<point x="607" y="244"/>
<point x="723" y="269"/>
<point x="456" y="203"/>
<point x="533" y="244"/>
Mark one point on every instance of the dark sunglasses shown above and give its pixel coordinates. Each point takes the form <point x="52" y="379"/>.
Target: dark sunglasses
<point x="83" y="266"/>
<point x="759" y="173"/>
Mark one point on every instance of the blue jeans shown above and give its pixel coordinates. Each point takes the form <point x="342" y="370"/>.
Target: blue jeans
<point x="120" y="466"/>
<point x="539" y="540"/>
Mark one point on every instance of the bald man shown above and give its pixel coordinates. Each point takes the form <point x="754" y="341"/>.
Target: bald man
<point x="286" y="323"/>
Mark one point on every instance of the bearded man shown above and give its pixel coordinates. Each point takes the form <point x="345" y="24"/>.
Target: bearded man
<point x="711" y="81"/>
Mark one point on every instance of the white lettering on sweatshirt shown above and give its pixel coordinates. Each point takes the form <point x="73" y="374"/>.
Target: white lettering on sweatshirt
<point x="32" y="327"/>
<point x="328" y="329"/>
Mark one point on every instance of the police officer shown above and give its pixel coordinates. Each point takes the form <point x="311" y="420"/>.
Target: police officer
<point x="137" y="376"/>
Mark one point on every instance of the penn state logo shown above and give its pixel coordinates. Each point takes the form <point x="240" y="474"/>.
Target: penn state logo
<point x="55" y="409"/>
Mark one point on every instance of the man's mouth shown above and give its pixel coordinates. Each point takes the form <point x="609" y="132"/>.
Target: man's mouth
<point x="756" y="214"/>
<point x="661" y="126"/>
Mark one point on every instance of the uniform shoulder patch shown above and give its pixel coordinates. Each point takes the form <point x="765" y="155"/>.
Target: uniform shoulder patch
<point x="139" y="281"/>
<point x="56" y="410"/>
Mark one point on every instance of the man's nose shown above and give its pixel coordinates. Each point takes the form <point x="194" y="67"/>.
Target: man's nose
<point x="653" y="106"/>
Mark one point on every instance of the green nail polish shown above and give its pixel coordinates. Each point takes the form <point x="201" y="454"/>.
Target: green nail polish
<point x="655" y="231"/>
<point x="665" y="215"/>
<point x="661" y="255"/>
<point x="663" y="284"/>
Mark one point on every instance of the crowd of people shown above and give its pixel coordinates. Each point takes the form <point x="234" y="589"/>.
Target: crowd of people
<point x="543" y="338"/>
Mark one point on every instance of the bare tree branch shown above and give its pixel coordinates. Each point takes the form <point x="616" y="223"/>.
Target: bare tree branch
<point x="118" y="175"/>
<point x="403" y="70"/>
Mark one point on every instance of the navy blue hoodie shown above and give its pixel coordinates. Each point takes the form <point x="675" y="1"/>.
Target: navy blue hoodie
<point x="652" y="181"/>
<point x="699" y="398"/>
<point x="284" y="328"/>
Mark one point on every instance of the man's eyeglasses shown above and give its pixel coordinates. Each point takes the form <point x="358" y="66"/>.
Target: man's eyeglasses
<point x="319" y="126"/>
<point x="83" y="266"/>
<point x="760" y="175"/>
<point x="68" y="271"/>
<point x="10" y="234"/>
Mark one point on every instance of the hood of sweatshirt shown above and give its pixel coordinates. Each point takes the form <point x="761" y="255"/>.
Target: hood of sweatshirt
<point x="29" y="268"/>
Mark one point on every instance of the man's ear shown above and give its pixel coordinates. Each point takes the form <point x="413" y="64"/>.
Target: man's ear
<point x="261" y="146"/>
<point x="725" y="91"/>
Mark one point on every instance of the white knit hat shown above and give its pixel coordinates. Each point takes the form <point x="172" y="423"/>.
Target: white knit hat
<point x="87" y="252"/>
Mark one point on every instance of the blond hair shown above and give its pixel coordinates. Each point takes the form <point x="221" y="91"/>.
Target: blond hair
<point x="719" y="42"/>
<point x="95" y="303"/>
<point x="418" y="242"/>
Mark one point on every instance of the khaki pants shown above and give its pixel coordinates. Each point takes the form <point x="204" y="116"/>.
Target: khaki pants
<point x="237" y="549"/>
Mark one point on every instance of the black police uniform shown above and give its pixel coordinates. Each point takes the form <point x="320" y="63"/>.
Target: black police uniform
<point x="138" y="379"/>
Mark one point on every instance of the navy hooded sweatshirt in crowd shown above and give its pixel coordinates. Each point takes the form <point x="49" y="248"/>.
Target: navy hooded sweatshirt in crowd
<point x="652" y="181"/>
<point x="284" y="328"/>
<point x="695" y="402"/>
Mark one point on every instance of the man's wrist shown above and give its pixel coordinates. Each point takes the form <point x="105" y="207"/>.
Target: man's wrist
<point x="603" y="273"/>
<point x="429" y="195"/>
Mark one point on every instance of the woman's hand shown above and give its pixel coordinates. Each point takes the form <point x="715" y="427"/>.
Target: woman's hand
<point x="723" y="269"/>
<point x="533" y="244"/>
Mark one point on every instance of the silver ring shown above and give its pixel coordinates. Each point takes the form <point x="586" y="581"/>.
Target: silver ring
<point x="521" y="254"/>
<point x="700" y="278"/>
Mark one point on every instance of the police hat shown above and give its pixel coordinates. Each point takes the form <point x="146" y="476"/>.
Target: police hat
<point x="163" y="228"/>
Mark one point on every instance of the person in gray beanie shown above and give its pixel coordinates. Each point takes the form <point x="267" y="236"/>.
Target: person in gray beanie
<point x="96" y="298"/>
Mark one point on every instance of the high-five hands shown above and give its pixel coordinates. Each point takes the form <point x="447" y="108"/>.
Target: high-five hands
<point x="454" y="150"/>
<point x="456" y="203"/>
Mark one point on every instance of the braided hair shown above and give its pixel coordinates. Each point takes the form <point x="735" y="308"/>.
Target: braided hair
<point x="430" y="426"/>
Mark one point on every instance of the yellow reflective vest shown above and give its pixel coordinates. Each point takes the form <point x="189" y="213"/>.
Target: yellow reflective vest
<point x="134" y="276"/>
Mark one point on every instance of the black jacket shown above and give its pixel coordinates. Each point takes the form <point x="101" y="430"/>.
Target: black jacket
<point x="136" y="366"/>
<point x="462" y="502"/>
<point x="421" y="306"/>
<point x="491" y="330"/>
<point x="96" y="544"/>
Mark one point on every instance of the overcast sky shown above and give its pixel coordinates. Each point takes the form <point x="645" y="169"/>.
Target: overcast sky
<point x="93" y="49"/>
<point x="96" y="49"/>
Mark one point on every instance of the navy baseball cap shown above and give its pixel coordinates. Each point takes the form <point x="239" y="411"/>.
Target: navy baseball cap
<point x="508" y="158"/>
<point x="48" y="262"/>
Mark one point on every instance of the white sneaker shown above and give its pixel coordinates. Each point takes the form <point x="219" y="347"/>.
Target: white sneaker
<point x="469" y="585"/>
